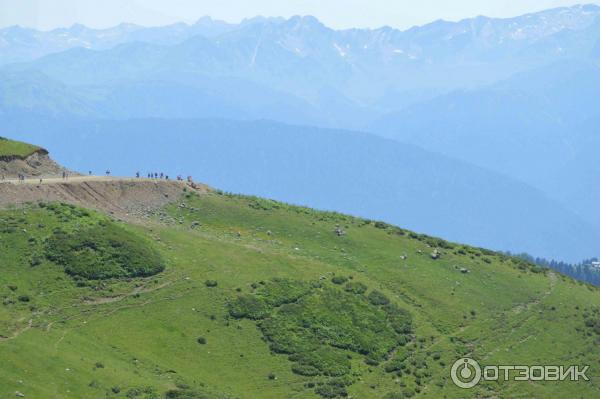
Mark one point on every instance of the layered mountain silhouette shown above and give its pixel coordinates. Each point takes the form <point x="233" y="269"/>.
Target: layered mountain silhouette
<point x="509" y="99"/>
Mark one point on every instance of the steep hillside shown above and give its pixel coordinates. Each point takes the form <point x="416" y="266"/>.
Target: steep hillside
<point x="221" y="296"/>
<point x="351" y="172"/>
<point x="538" y="127"/>
<point x="10" y="149"/>
<point x="17" y="158"/>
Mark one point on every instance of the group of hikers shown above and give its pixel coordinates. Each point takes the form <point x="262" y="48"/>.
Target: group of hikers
<point x="161" y="176"/>
<point x="65" y="176"/>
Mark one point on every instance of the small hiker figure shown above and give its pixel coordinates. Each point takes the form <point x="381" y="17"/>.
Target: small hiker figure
<point x="137" y="175"/>
<point x="64" y="175"/>
<point x="161" y="175"/>
<point x="90" y="172"/>
<point x="107" y="172"/>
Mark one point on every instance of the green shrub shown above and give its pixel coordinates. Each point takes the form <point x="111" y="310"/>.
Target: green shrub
<point x="339" y="280"/>
<point x="188" y="394"/>
<point x="378" y="298"/>
<point x="305" y="370"/>
<point x="356" y="288"/>
<point x="35" y="260"/>
<point x="400" y="319"/>
<point x="283" y="291"/>
<point x="381" y="225"/>
<point x="316" y="326"/>
<point x="333" y="389"/>
<point x="103" y="251"/>
<point x="23" y="298"/>
<point x="248" y="306"/>
<point x="201" y="340"/>
<point x="211" y="283"/>
<point x="393" y="395"/>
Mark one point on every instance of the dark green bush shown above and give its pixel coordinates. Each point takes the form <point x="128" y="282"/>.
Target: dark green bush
<point x="378" y="298"/>
<point x="356" y="288"/>
<point x="339" y="280"/>
<point x="333" y="389"/>
<point x="316" y="325"/>
<point x="400" y="319"/>
<point x="248" y="306"/>
<point x="23" y="298"/>
<point x="305" y="370"/>
<point x="103" y="251"/>
<point x="211" y="283"/>
<point x="283" y="291"/>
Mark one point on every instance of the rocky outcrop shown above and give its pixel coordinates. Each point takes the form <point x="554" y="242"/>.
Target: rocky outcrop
<point x="38" y="164"/>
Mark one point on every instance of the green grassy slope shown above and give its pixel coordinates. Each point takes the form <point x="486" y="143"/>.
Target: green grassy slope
<point x="11" y="148"/>
<point x="181" y="330"/>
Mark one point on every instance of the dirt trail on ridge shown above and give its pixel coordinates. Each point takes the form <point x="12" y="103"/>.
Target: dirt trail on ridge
<point x="124" y="198"/>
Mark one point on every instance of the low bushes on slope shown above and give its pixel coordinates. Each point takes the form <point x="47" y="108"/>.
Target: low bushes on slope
<point x="322" y="327"/>
<point x="103" y="251"/>
<point x="93" y="247"/>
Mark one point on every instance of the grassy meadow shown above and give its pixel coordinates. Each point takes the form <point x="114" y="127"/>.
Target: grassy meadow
<point x="223" y="296"/>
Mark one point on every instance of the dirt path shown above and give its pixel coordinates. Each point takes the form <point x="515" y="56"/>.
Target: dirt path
<point x="143" y="289"/>
<point x="18" y="332"/>
<point x="75" y="179"/>
<point x="527" y="307"/>
<point x="130" y="199"/>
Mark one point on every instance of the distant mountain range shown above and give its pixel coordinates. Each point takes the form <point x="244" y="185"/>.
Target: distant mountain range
<point x="303" y="56"/>
<point x="514" y="97"/>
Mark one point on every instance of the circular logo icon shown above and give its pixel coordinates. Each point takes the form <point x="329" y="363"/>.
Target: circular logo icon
<point x="466" y="373"/>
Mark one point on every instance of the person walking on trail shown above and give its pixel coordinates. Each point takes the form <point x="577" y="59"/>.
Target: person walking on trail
<point x="137" y="175"/>
<point x="107" y="172"/>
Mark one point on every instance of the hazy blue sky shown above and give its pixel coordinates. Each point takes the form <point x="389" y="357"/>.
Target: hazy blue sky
<point x="48" y="14"/>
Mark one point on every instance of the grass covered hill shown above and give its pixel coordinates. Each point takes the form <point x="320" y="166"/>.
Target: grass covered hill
<point x="16" y="149"/>
<point x="222" y="296"/>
